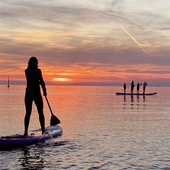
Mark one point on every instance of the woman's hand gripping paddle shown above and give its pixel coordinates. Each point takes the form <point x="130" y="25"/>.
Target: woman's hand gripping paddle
<point x="54" y="120"/>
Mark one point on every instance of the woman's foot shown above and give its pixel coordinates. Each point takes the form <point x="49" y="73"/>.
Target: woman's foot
<point x="25" y="134"/>
<point x="43" y="131"/>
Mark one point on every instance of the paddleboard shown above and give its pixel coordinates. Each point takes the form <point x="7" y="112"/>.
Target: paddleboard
<point x="21" y="141"/>
<point x="143" y="94"/>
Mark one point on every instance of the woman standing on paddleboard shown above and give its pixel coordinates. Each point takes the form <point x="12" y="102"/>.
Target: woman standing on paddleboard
<point x="34" y="80"/>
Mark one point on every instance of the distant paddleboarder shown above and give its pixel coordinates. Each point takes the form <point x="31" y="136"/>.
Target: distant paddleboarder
<point x="144" y="87"/>
<point x="124" y="87"/>
<point x="132" y="86"/>
<point x="34" y="81"/>
<point x="138" y="86"/>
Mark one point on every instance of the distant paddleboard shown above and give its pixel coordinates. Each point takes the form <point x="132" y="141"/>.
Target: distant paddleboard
<point x="141" y="94"/>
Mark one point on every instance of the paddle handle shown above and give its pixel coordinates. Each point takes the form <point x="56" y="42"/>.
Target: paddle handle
<point x="49" y="105"/>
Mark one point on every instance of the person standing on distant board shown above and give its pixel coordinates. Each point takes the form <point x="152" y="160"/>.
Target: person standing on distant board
<point x="124" y="87"/>
<point x="34" y="81"/>
<point x="144" y="87"/>
<point x="132" y="86"/>
<point x="138" y="87"/>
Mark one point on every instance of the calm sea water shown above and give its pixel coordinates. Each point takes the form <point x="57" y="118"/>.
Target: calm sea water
<point x="100" y="130"/>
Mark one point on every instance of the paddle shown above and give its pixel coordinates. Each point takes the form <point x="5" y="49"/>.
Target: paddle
<point x="54" y="120"/>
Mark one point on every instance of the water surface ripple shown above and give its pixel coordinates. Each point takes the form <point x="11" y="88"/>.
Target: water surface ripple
<point x="101" y="131"/>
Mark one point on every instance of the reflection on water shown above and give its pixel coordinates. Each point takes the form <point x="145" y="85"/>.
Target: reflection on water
<point x="33" y="156"/>
<point x="32" y="159"/>
<point x="134" y="101"/>
<point x="132" y="97"/>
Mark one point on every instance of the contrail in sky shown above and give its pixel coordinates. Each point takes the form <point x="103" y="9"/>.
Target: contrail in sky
<point x="134" y="39"/>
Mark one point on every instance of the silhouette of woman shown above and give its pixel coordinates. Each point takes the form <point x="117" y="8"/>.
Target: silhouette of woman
<point x="34" y="80"/>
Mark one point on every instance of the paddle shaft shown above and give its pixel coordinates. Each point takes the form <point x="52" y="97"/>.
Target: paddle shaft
<point x="49" y="105"/>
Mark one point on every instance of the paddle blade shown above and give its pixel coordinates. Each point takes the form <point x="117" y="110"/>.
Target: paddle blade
<point x="54" y="120"/>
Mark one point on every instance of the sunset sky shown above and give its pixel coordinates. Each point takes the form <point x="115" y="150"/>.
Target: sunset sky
<point x="87" y="42"/>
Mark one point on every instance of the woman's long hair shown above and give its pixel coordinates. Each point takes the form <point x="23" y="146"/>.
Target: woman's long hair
<point x="33" y="62"/>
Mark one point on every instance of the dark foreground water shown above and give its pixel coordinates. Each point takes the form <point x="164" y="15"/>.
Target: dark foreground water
<point x="100" y="130"/>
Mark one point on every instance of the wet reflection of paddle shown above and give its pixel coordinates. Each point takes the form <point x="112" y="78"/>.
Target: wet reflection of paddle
<point x="54" y="119"/>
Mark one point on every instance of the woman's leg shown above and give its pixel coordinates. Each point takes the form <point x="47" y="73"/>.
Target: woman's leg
<point x="28" y="107"/>
<point x="39" y="103"/>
